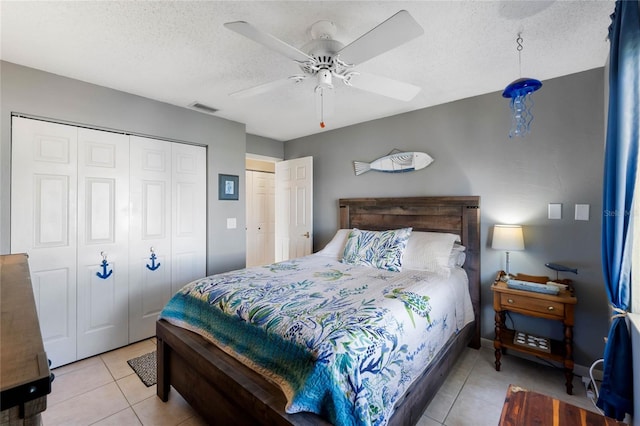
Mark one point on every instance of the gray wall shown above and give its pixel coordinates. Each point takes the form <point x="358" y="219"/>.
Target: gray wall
<point x="561" y="161"/>
<point x="29" y="91"/>
<point x="264" y="146"/>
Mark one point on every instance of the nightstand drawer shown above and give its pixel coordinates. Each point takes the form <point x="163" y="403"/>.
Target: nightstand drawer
<point x="546" y="307"/>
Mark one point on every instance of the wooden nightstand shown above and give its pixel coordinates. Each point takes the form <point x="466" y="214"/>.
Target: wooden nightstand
<point x="558" y="307"/>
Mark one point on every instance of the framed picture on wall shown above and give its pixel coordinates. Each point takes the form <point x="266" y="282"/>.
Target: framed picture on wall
<point x="227" y="187"/>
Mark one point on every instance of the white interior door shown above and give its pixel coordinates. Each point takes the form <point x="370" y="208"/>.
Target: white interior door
<point x="294" y="208"/>
<point x="189" y="214"/>
<point x="149" y="234"/>
<point x="260" y="218"/>
<point x="103" y="241"/>
<point x="43" y="225"/>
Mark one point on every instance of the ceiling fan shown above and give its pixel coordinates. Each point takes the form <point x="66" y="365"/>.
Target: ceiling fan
<point x="326" y="59"/>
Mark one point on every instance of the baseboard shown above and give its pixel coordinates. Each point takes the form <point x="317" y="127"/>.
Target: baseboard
<point x="578" y="370"/>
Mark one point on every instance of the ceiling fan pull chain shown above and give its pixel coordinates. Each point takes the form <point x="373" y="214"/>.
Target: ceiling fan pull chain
<point x="322" y="108"/>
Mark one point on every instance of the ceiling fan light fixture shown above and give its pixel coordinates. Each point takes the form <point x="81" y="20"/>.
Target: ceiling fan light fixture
<point x="325" y="58"/>
<point x="324" y="79"/>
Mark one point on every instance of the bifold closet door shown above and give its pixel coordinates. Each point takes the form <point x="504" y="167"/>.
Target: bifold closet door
<point x="168" y="226"/>
<point x="113" y="225"/>
<point x="150" y="234"/>
<point x="43" y="225"/>
<point x="103" y="241"/>
<point x="189" y="214"/>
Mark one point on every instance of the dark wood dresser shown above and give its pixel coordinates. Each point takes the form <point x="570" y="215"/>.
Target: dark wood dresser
<point x="24" y="370"/>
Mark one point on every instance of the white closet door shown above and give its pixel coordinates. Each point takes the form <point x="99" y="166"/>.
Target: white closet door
<point x="267" y="225"/>
<point x="150" y="234"/>
<point x="253" y="255"/>
<point x="43" y="225"/>
<point x="189" y="219"/>
<point x="260" y="218"/>
<point x="103" y="226"/>
<point x="89" y="221"/>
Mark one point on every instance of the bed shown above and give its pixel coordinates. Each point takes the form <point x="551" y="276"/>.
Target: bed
<point x="223" y="390"/>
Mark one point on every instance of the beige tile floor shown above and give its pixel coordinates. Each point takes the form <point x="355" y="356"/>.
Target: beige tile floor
<point x="104" y="390"/>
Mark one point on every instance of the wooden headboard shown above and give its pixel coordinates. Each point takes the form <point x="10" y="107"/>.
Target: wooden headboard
<point x="457" y="215"/>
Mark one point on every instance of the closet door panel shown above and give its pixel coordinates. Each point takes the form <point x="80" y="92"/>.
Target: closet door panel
<point x="260" y="218"/>
<point x="189" y="231"/>
<point x="251" y="256"/>
<point x="264" y="209"/>
<point x="53" y="296"/>
<point x="150" y="234"/>
<point x="43" y="225"/>
<point x="103" y="305"/>
<point x="103" y="252"/>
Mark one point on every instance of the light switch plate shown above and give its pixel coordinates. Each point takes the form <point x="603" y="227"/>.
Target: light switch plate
<point x="555" y="211"/>
<point x="582" y="212"/>
<point x="231" y="223"/>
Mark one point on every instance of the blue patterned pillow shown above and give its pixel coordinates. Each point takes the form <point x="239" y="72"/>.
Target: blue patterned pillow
<point x="380" y="249"/>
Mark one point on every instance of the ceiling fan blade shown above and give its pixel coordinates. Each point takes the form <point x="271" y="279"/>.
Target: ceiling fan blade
<point x="266" y="87"/>
<point x="393" y="32"/>
<point x="384" y="86"/>
<point x="265" y="39"/>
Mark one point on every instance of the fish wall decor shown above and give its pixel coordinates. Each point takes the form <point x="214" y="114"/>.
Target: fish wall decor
<point x="396" y="162"/>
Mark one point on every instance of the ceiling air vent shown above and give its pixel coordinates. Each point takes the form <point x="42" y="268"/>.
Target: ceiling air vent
<point x="203" y="108"/>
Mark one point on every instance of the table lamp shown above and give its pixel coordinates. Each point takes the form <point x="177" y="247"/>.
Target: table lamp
<point x="507" y="237"/>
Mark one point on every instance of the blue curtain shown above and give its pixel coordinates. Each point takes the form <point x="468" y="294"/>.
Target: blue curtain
<point x="623" y="138"/>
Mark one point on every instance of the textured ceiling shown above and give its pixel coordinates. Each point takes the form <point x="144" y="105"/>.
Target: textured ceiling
<point x="179" y="51"/>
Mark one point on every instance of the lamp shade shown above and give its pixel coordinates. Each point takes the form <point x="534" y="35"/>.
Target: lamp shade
<point x="507" y="237"/>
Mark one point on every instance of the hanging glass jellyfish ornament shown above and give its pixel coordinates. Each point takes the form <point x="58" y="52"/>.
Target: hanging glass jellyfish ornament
<point x="521" y="104"/>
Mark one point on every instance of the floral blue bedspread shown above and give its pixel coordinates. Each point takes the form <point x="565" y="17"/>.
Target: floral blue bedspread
<point x="342" y="341"/>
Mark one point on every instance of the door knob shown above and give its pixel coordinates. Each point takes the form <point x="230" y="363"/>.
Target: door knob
<point x="306" y="234"/>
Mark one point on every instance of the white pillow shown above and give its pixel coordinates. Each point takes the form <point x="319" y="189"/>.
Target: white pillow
<point x="335" y="247"/>
<point x="457" y="256"/>
<point x="429" y="251"/>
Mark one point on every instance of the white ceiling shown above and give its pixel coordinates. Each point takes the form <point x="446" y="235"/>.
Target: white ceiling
<point x="179" y="51"/>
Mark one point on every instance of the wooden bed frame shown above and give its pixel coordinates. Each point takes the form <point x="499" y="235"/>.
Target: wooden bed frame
<point x="224" y="391"/>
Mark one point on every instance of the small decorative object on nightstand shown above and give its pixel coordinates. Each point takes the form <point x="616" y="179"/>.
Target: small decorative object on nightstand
<point x="558" y="307"/>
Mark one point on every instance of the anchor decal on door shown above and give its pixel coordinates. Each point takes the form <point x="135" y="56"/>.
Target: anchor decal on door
<point x="104" y="275"/>
<point x="154" y="265"/>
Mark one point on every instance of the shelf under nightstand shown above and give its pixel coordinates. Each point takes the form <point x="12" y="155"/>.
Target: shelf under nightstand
<point x="558" y="307"/>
